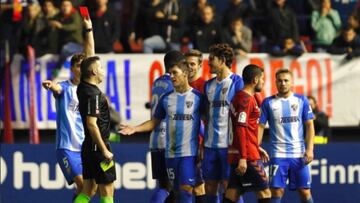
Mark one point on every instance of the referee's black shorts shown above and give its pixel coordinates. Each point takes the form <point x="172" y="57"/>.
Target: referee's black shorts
<point x="91" y="158"/>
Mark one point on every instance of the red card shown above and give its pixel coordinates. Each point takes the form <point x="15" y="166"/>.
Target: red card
<point x="84" y="11"/>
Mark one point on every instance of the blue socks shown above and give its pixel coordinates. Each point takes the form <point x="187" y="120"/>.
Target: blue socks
<point x="159" y="196"/>
<point x="185" y="197"/>
<point x="212" y="199"/>
<point x="275" y="199"/>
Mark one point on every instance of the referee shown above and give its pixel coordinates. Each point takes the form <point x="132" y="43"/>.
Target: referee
<point x="97" y="158"/>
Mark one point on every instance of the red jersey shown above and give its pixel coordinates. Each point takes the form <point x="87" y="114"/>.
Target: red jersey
<point x="198" y="84"/>
<point x="245" y="115"/>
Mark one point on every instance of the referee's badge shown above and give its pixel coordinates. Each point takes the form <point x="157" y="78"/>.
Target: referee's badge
<point x="242" y="117"/>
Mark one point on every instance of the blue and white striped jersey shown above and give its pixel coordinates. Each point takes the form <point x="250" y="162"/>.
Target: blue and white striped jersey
<point x="182" y="112"/>
<point x="219" y="95"/>
<point x="161" y="86"/>
<point x="287" y="118"/>
<point x="70" y="131"/>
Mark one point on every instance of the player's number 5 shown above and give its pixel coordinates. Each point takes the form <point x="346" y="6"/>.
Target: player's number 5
<point x="171" y="174"/>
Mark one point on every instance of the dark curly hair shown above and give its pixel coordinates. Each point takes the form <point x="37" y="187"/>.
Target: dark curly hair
<point x="223" y="51"/>
<point x="77" y="58"/>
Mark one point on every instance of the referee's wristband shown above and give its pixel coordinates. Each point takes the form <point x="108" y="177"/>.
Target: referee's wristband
<point x="88" y="29"/>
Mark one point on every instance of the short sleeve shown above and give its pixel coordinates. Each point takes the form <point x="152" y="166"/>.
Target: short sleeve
<point x="93" y="106"/>
<point x="307" y="113"/>
<point x="63" y="87"/>
<point x="264" y="115"/>
<point x="160" y="112"/>
<point x="242" y="109"/>
<point x="239" y="84"/>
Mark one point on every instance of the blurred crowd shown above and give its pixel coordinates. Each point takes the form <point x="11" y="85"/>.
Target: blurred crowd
<point x="278" y="27"/>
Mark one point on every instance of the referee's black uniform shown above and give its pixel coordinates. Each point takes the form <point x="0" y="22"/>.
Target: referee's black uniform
<point x="92" y="102"/>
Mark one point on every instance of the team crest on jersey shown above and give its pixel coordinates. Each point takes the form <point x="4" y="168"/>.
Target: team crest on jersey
<point x="189" y="104"/>
<point x="294" y="107"/>
<point x="224" y="90"/>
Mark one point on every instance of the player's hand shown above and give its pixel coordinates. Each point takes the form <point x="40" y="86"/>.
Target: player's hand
<point x="159" y="14"/>
<point x="47" y="84"/>
<point x="264" y="155"/>
<point x="108" y="155"/>
<point x="308" y="156"/>
<point x="55" y="24"/>
<point x="127" y="129"/>
<point x="242" y="166"/>
<point x="87" y="22"/>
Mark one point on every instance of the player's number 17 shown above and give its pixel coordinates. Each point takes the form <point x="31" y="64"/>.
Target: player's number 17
<point x="273" y="169"/>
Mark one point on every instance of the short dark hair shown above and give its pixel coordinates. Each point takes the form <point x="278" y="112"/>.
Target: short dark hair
<point x="223" y="51"/>
<point x="312" y="97"/>
<point x="250" y="72"/>
<point x="86" y="64"/>
<point x="236" y="18"/>
<point x="76" y="58"/>
<point x="194" y="53"/>
<point x="283" y="70"/>
<point x="172" y="58"/>
<point x="348" y="28"/>
<point x="183" y="66"/>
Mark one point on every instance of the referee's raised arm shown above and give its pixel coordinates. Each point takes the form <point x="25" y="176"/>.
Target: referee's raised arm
<point x="89" y="44"/>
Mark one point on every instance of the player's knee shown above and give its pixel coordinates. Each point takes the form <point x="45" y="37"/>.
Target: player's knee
<point x="277" y="192"/>
<point x="199" y="189"/>
<point x="262" y="194"/>
<point x="187" y="188"/>
<point x="79" y="183"/>
<point x="232" y="195"/>
<point x="225" y="183"/>
<point x="211" y="187"/>
<point x="89" y="188"/>
<point x="106" y="190"/>
<point x="305" y="194"/>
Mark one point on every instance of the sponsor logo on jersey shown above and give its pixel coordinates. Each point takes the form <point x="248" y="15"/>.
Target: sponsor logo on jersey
<point x="289" y="119"/>
<point x="182" y="117"/>
<point x="219" y="103"/>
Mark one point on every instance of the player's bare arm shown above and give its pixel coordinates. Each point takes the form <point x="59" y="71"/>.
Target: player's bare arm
<point x="261" y="129"/>
<point x="96" y="136"/>
<point x="310" y="133"/>
<point x="264" y="155"/>
<point x="89" y="44"/>
<point x="240" y="133"/>
<point x="50" y="85"/>
<point x="144" y="127"/>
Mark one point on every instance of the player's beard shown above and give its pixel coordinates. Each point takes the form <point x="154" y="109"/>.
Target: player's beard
<point x="284" y="91"/>
<point x="258" y="88"/>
